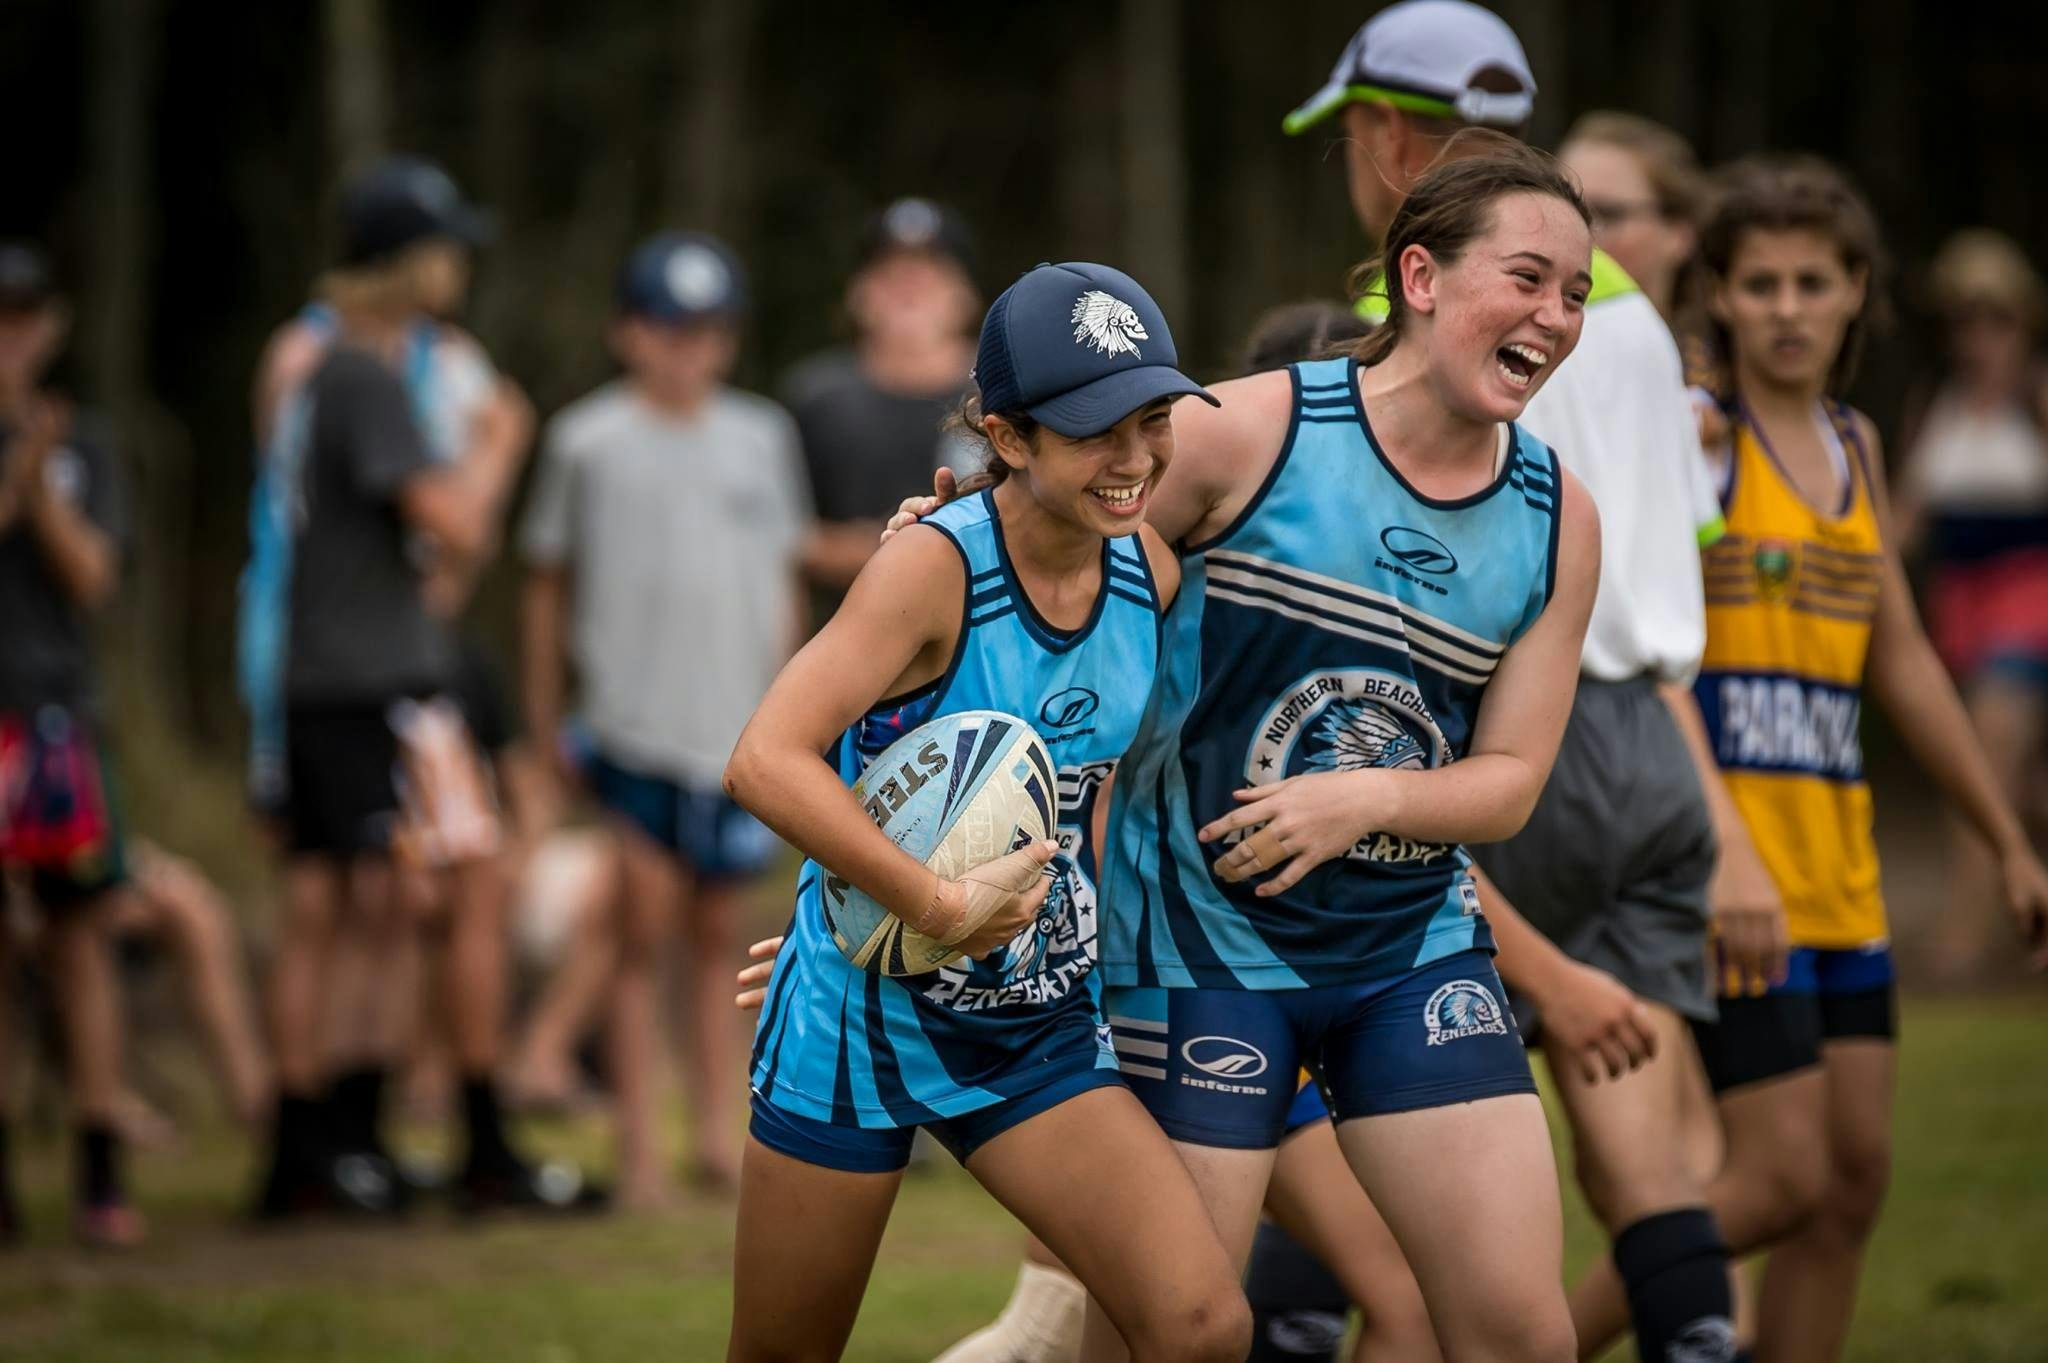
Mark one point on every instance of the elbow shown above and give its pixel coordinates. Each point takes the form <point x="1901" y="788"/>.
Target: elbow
<point x="742" y="777"/>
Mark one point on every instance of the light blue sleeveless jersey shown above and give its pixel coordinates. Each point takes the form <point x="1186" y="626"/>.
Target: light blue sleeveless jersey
<point x="1344" y="621"/>
<point x="838" y="1044"/>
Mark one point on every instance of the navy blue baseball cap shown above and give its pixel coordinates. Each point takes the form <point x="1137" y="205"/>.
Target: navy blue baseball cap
<point x="1077" y="347"/>
<point x="402" y="200"/>
<point x="677" y="278"/>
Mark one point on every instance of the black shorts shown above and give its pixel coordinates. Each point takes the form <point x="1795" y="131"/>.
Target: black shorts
<point x="341" y="762"/>
<point x="1829" y="996"/>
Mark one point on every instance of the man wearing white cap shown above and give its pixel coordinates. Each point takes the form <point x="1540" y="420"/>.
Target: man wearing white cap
<point x="1618" y="865"/>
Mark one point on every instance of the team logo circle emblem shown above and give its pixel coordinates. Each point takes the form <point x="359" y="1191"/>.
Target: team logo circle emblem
<point x="1463" y="1008"/>
<point x="1345" y="721"/>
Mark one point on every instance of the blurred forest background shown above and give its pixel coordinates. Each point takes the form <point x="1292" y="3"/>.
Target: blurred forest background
<point x="180" y="159"/>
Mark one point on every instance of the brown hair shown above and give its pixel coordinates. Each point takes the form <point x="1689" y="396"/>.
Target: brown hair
<point x="1312" y="330"/>
<point x="1449" y="209"/>
<point x="1666" y="158"/>
<point x="1793" y="193"/>
<point x="968" y="422"/>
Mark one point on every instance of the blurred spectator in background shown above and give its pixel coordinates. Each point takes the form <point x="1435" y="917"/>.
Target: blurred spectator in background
<point x="870" y="415"/>
<point x="664" y="539"/>
<point x="61" y="524"/>
<point x="1974" y="495"/>
<point x="359" y="508"/>
<point x="1645" y="191"/>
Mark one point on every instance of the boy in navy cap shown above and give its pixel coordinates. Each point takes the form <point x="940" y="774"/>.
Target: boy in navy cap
<point x="663" y="540"/>
<point x="870" y="412"/>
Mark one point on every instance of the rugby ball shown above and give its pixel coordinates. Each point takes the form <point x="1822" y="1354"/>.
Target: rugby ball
<point x="955" y="793"/>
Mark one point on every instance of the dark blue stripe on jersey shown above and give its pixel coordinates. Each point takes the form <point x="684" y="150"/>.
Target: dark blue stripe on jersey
<point x="1436" y="634"/>
<point x="896" y="1100"/>
<point x="1340" y="400"/>
<point x="1120" y="571"/>
<point x="1196" y="953"/>
<point x="979" y="620"/>
<point x="987" y="575"/>
<point x="1348" y="415"/>
<point x="1340" y="384"/>
<point x="989" y="597"/>
<point x="843" y="1111"/>
<point x="1535" y="473"/>
<point x="771" y="1015"/>
<point x="1134" y="598"/>
<point x="1148" y="975"/>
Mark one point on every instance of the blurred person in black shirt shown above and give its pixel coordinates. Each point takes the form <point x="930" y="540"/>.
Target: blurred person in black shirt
<point x="377" y="766"/>
<point x="61" y="525"/>
<point x="869" y="415"/>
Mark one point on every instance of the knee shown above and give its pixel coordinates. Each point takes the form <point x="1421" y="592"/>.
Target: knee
<point x="1217" y="1329"/>
<point x="1780" y="1190"/>
<point x="1857" y="1180"/>
<point x="1538" y="1334"/>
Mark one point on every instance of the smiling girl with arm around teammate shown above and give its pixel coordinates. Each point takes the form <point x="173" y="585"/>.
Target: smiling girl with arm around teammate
<point x="1041" y="583"/>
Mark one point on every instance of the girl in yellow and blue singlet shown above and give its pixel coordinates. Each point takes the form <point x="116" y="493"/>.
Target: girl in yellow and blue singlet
<point x="1807" y="608"/>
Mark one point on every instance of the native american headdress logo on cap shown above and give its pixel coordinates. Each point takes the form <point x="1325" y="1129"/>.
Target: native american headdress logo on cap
<point x="1108" y="324"/>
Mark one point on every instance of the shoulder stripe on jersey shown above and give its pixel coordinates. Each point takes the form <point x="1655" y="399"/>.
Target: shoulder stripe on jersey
<point x="1133" y="598"/>
<point x="1449" y="633"/>
<point x="980" y="599"/>
<point x="992" y="616"/>
<point x="988" y="575"/>
<point x="1334" y="400"/>
<point x="1337" y="622"/>
<point x="1347" y="416"/>
<point x="1331" y="387"/>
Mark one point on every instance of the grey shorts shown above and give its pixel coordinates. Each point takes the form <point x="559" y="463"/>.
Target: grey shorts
<point x="1614" y="863"/>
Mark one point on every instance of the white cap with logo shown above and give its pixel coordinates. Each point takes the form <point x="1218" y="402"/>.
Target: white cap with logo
<point x="1425" y="56"/>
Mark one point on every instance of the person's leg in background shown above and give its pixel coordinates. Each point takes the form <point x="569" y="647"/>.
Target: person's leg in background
<point x="181" y="907"/>
<point x="1325" y="1230"/>
<point x="295" y="1008"/>
<point x="373" y="1014"/>
<point x="574" y="875"/>
<point x="1809" y="1285"/>
<point x="2009" y="710"/>
<point x="10" y="1206"/>
<point x="729" y="850"/>
<point x="650" y="894"/>
<point x="81" y="945"/>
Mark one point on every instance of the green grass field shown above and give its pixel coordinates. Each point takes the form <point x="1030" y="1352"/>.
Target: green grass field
<point x="1954" y="1277"/>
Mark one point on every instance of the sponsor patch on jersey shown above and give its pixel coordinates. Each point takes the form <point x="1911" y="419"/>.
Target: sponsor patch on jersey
<point x="1776" y="561"/>
<point x="1460" y="1009"/>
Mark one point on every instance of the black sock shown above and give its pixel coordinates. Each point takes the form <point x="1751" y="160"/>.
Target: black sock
<point x="356" y="1109"/>
<point x="1298" y="1309"/>
<point x="488" y="1147"/>
<point x="99" y="1167"/>
<point x="1675" y="1269"/>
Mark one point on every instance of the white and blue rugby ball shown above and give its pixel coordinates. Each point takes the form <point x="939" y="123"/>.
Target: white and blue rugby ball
<point x="955" y="793"/>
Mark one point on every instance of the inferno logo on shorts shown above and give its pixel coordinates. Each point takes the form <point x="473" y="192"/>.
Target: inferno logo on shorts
<point x="1463" y="1008"/>
<point x="1225" y="1056"/>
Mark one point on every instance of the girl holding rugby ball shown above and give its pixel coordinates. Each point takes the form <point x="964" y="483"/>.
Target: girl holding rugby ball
<point x="1039" y="583"/>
